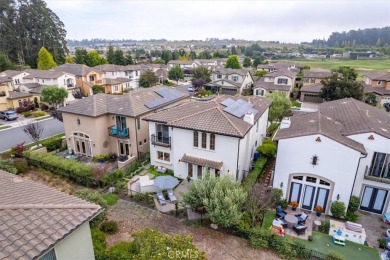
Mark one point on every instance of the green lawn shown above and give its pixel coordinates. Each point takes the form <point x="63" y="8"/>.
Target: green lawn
<point x="296" y="104"/>
<point x="4" y="127"/>
<point x="156" y="173"/>
<point x="42" y="117"/>
<point x="267" y="221"/>
<point x="323" y="244"/>
<point x="110" y="198"/>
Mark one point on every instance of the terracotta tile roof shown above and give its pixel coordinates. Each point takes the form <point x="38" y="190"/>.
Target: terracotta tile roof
<point x="208" y="116"/>
<point x="109" y="67"/>
<point x="75" y="69"/>
<point x="17" y="94"/>
<point x="260" y="83"/>
<point x="339" y="119"/>
<point x="201" y="161"/>
<point x="35" y="217"/>
<point x="44" y="74"/>
<point x="181" y="62"/>
<point x="11" y="73"/>
<point x="314" y="88"/>
<point x="385" y="76"/>
<point x="282" y="72"/>
<point x="234" y="83"/>
<point x="316" y="74"/>
<point x="130" y="104"/>
<point x="224" y="71"/>
<point x="378" y="90"/>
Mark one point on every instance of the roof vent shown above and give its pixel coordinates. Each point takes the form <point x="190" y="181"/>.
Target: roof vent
<point x="286" y="122"/>
<point x="371" y="137"/>
<point x="318" y="139"/>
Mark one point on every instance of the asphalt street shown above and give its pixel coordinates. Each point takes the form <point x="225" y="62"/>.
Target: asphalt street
<point x="15" y="135"/>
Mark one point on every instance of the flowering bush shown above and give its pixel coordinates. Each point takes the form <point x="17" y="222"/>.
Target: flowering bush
<point x="319" y="209"/>
<point x="294" y="204"/>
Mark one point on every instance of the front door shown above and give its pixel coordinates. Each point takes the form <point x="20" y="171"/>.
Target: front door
<point x="373" y="200"/>
<point x="322" y="197"/>
<point x="308" y="196"/>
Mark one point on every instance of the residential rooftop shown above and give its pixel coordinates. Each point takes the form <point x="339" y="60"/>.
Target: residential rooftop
<point x="385" y="76"/>
<point x="339" y="119"/>
<point x="130" y="104"/>
<point x="211" y="116"/>
<point x="35" y="217"/>
<point x="316" y="74"/>
<point x="75" y="69"/>
<point x="228" y="71"/>
<point x="314" y="88"/>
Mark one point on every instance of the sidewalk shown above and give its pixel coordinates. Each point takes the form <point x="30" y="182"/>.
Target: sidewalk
<point x="23" y="121"/>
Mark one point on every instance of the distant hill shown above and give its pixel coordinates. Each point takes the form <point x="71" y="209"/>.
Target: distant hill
<point x="368" y="37"/>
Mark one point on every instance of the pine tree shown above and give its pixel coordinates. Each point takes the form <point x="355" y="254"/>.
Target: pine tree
<point x="110" y="54"/>
<point x="45" y="60"/>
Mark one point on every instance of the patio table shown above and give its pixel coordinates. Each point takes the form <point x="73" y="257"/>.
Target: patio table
<point x="291" y="220"/>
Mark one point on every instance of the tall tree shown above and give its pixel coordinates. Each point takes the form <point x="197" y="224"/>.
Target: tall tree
<point x="5" y="64"/>
<point x="202" y="72"/>
<point x="45" y="60"/>
<point x="81" y="56"/>
<point x="232" y="62"/>
<point x="33" y="130"/>
<point x="147" y="79"/>
<point x="69" y="60"/>
<point x="54" y="96"/>
<point x="119" y="58"/>
<point x="129" y="59"/>
<point x="166" y="56"/>
<point x="94" y="59"/>
<point x="257" y="61"/>
<point x="110" y="54"/>
<point x="176" y="73"/>
<point x="347" y="72"/>
<point x="247" y="62"/>
<point x="336" y="87"/>
<point x="279" y="107"/>
<point x="193" y="55"/>
<point x="26" y="26"/>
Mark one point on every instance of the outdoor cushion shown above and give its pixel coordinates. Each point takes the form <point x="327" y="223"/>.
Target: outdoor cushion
<point x="386" y="218"/>
<point x="303" y="216"/>
<point x="353" y="226"/>
<point x="280" y="212"/>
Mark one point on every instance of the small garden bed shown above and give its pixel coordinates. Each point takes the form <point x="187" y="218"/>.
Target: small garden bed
<point x="156" y="173"/>
<point x="4" y="127"/>
<point x="111" y="198"/>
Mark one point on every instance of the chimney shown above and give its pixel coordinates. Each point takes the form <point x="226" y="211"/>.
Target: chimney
<point x="249" y="118"/>
<point x="286" y="122"/>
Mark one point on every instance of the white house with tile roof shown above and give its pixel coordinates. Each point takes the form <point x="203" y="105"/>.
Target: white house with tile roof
<point x="379" y="84"/>
<point x="230" y="81"/>
<point x="281" y="80"/>
<point x="38" y="222"/>
<point x="221" y="134"/>
<point x="341" y="150"/>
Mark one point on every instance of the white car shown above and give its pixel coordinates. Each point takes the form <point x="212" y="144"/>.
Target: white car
<point x="191" y="89"/>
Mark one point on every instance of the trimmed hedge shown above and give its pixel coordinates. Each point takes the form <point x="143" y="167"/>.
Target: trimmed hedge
<point x="78" y="172"/>
<point x="256" y="173"/>
<point x="52" y="143"/>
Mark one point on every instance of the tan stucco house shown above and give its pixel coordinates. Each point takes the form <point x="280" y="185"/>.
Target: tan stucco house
<point x="105" y="123"/>
<point x="311" y="77"/>
<point x="379" y="84"/>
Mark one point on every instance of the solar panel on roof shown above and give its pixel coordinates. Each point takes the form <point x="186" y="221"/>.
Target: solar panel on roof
<point x="167" y="95"/>
<point x="239" y="108"/>
<point x="227" y="102"/>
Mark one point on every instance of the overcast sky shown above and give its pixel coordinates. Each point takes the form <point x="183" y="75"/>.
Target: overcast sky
<point x="285" y="21"/>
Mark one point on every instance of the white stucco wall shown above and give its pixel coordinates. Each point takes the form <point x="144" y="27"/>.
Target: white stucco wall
<point x="226" y="150"/>
<point x="336" y="163"/>
<point x="379" y="144"/>
<point x="77" y="245"/>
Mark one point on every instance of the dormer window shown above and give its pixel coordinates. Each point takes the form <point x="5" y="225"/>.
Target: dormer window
<point x="379" y="82"/>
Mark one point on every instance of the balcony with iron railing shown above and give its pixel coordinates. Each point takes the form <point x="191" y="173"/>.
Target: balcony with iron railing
<point x="369" y="175"/>
<point x="115" y="132"/>
<point x="161" y="141"/>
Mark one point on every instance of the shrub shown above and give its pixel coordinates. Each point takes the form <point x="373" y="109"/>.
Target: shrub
<point x="52" y="143"/>
<point x="27" y="114"/>
<point x="310" y="238"/>
<point x="267" y="148"/>
<point x="283" y="203"/>
<point x="256" y="173"/>
<point x="21" y="165"/>
<point x="354" y="203"/>
<point x="96" y="198"/>
<point x="114" y="179"/>
<point x="337" y="209"/>
<point x="122" y="250"/>
<point x="324" y="228"/>
<point x="332" y="255"/>
<point x="73" y="170"/>
<point x="18" y="150"/>
<point x="63" y="148"/>
<point x="8" y="165"/>
<point x="20" y="110"/>
<point x="99" y="244"/>
<point x="285" y="249"/>
<point x="44" y="107"/>
<point x="244" y="224"/>
<point x="381" y="242"/>
<point x="271" y="129"/>
<point x="110" y="198"/>
<point x="109" y="227"/>
<point x="277" y="195"/>
<point x="100" y="157"/>
<point x="257" y="242"/>
<point x="139" y="196"/>
<point x="41" y="113"/>
<point x="97" y="89"/>
<point x="300" y="249"/>
<point x="353" y="217"/>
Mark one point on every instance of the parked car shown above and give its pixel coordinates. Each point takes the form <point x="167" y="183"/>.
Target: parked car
<point x="387" y="106"/>
<point x="8" y="115"/>
<point x="191" y="89"/>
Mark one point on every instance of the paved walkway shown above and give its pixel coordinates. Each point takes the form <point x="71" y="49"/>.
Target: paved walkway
<point x="374" y="226"/>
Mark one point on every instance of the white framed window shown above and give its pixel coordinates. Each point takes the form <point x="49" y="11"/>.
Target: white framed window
<point x="282" y="81"/>
<point x="163" y="156"/>
<point x="116" y="88"/>
<point x="219" y="76"/>
<point x="235" y="78"/>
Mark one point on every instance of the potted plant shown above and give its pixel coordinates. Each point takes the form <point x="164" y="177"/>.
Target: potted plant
<point x="318" y="209"/>
<point x="294" y="205"/>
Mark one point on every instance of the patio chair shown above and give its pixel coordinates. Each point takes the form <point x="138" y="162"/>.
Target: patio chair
<point x="114" y="130"/>
<point x="123" y="133"/>
<point x="299" y="229"/>
<point x="171" y="195"/>
<point x="279" y="222"/>
<point x="280" y="213"/>
<point x="387" y="243"/>
<point x="301" y="218"/>
<point x="161" y="198"/>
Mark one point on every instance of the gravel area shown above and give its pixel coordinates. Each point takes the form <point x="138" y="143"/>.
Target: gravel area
<point x="132" y="217"/>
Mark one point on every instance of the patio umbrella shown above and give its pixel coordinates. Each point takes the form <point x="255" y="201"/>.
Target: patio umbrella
<point x="166" y="182"/>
